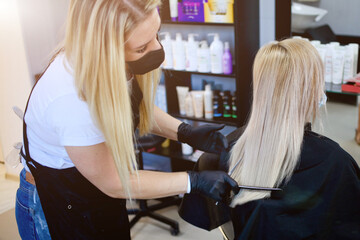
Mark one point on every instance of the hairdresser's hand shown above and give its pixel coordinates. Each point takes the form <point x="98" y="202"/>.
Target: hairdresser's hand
<point x="214" y="184"/>
<point x="205" y="138"/>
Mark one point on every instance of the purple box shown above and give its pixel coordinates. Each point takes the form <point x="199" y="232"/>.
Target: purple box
<point x="191" y="11"/>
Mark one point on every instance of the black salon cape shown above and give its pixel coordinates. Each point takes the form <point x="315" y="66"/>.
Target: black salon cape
<point x="321" y="200"/>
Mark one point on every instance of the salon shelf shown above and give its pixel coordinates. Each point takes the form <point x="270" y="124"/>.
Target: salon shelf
<point x="246" y="36"/>
<point x="336" y="88"/>
<point x="200" y="73"/>
<point x="232" y="122"/>
<point x="198" y="23"/>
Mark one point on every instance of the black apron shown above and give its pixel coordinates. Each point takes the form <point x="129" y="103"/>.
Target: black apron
<point x="74" y="208"/>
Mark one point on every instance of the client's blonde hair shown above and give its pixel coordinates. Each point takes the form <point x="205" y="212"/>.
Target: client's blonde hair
<point x="94" y="46"/>
<point x="288" y="84"/>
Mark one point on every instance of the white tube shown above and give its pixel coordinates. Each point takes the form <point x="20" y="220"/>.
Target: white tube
<point x="349" y="63"/>
<point x="189" y="106"/>
<point x="208" y="102"/>
<point x="338" y="65"/>
<point x="182" y="92"/>
<point x="173" y="10"/>
<point x="355" y="48"/>
<point x="198" y="99"/>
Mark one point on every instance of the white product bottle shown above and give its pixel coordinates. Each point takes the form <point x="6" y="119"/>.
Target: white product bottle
<point x="173" y="10"/>
<point x="179" y="53"/>
<point x="338" y="64"/>
<point x="167" y="45"/>
<point x="191" y="53"/>
<point x="208" y="102"/>
<point x="355" y="48"/>
<point x="189" y="106"/>
<point x="348" y="63"/>
<point x="328" y="63"/>
<point x="203" y="54"/>
<point x="316" y="43"/>
<point x="216" y="52"/>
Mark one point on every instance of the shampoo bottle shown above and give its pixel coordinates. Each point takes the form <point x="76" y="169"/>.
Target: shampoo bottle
<point x="217" y="105"/>
<point x="348" y="63"/>
<point x="208" y="102"/>
<point x="203" y="55"/>
<point x="338" y="64"/>
<point x="191" y="53"/>
<point x="216" y="53"/>
<point x="179" y="53"/>
<point x="234" y="108"/>
<point x="355" y="48"/>
<point x="173" y="10"/>
<point x="328" y="63"/>
<point x="227" y="60"/>
<point x="167" y="44"/>
<point x="227" y="100"/>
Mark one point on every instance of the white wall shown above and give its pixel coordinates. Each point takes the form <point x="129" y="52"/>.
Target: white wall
<point x="43" y="26"/>
<point x="267" y="21"/>
<point x="15" y="83"/>
<point x="29" y="32"/>
<point x="343" y="15"/>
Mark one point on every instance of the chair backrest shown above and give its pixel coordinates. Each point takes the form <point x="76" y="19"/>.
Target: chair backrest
<point x="322" y="33"/>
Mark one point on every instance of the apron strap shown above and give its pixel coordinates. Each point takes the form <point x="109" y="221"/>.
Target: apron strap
<point x="26" y="156"/>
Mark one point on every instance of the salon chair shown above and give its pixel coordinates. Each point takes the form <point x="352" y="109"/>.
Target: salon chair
<point x="146" y="144"/>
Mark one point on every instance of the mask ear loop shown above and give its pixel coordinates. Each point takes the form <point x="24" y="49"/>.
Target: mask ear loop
<point x="323" y="100"/>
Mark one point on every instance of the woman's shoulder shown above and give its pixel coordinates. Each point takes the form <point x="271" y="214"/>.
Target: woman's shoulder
<point x="318" y="149"/>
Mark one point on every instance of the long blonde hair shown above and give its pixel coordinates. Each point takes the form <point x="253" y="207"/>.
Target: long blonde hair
<point x="95" y="48"/>
<point x="288" y="84"/>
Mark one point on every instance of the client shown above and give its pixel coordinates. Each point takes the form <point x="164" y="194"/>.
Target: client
<point x="320" y="182"/>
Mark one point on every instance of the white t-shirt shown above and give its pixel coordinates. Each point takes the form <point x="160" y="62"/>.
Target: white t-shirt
<point x="57" y="117"/>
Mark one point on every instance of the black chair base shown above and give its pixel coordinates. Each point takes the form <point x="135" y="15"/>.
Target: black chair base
<point x="148" y="211"/>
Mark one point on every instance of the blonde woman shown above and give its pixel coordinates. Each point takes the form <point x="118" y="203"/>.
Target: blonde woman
<point x="320" y="182"/>
<point x="79" y="127"/>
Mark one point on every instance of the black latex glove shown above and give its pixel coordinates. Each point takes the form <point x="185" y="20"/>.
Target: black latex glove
<point x="205" y="138"/>
<point x="214" y="184"/>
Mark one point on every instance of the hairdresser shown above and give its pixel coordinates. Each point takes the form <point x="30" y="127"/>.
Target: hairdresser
<point x="80" y="120"/>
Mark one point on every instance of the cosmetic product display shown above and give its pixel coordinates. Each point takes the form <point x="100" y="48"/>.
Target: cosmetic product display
<point x="179" y="58"/>
<point x="189" y="105"/>
<point x="233" y="105"/>
<point x="191" y="53"/>
<point x="219" y="11"/>
<point x="340" y="62"/>
<point x="167" y="45"/>
<point x="208" y="102"/>
<point x="217" y="105"/>
<point x="181" y="93"/>
<point x="198" y="100"/>
<point x="216" y="54"/>
<point x="227" y="100"/>
<point x="227" y="60"/>
<point x="173" y="10"/>
<point x="203" y="55"/>
<point x="191" y="11"/>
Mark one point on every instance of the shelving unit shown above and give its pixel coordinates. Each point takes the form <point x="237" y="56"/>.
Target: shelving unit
<point x="197" y="23"/>
<point x="246" y="33"/>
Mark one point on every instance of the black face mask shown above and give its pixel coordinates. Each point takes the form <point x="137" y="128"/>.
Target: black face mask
<point x="147" y="63"/>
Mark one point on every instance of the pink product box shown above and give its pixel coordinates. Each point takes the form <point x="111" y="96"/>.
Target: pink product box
<point x="191" y="11"/>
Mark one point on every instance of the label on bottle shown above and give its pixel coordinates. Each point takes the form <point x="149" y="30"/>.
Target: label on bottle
<point x="217" y="113"/>
<point x="234" y="110"/>
<point x="227" y="111"/>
